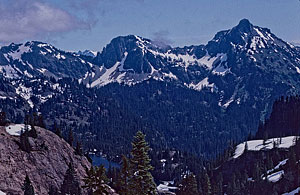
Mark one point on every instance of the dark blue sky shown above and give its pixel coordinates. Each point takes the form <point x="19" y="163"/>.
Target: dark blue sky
<point x="91" y="24"/>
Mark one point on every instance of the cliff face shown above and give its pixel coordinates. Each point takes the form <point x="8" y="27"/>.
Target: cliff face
<point x="46" y="165"/>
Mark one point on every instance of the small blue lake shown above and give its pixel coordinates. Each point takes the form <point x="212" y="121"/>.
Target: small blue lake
<point x="99" y="160"/>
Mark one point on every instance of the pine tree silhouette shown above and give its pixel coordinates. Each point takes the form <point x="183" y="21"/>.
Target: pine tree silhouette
<point x="141" y="181"/>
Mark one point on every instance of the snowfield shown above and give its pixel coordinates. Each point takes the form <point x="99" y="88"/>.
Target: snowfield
<point x="293" y="192"/>
<point x="281" y="163"/>
<point x="274" y="177"/>
<point x="256" y="145"/>
<point x="16" y="129"/>
<point x="165" y="188"/>
<point x="2" y="193"/>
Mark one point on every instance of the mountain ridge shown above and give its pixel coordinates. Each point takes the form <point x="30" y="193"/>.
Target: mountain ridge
<point x="132" y="59"/>
<point x="235" y="75"/>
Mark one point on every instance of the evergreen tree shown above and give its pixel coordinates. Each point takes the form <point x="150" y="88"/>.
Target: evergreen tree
<point x="274" y="144"/>
<point x="124" y="177"/>
<point x="141" y="180"/>
<point x="292" y="159"/>
<point x="57" y="130"/>
<point x="265" y="138"/>
<point x="71" y="185"/>
<point x="96" y="181"/>
<point x="270" y="163"/>
<point x="27" y="186"/>
<point x="219" y="184"/>
<point x="78" y="149"/>
<point x="206" y="184"/>
<point x="70" y="138"/>
<point x="3" y="118"/>
<point x="41" y="122"/>
<point x="53" y="190"/>
<point x="246" y="147"/>
<point x="90" y="180"/>
<point x="27" y="120"/>
<point x="232" y="185"/>
<point x="24" y="141"/>
<point x="188" y="185"/>
<point x="280" y="140"/>
<point x="32" y="132"/>
<point x="257" y="172"/>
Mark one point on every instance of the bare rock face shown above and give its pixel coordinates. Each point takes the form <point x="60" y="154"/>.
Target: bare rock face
<point x="46" y="165"/>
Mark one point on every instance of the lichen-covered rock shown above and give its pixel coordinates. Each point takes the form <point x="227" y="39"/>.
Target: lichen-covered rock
<point x="45" y="165"/>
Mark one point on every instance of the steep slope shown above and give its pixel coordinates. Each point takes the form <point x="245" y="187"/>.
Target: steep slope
<point x="133" y="59"/>
<point x="33" y="59"/>
<point x="46" y="165"/>
<point x="265" y="166"/>
<point x="244" y="65"/>
<point x="262" y="168"/>
<point x="259" y="65"/>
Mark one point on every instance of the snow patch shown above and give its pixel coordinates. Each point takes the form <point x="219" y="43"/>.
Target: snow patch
<point x="220" y="70"/>
<point x="27" y="74"/>
<point x="121" y="67"/>
<point x="186" y="60"/>
<point x="257" y="42"/>
<point x="199" y="86"/>
<point x="16" y="129"/>
<point x="94" y="53"/>
<point x="42" y="70"/>
<point x="43" y="53"/>
<point x="228" y="103"/>
<point x="59" y="56"/>
<point x="106" y="77"/>
<point x="141" y="44"/>
<point x="8" y="71"/>
<point x="297" y="69"/>
<point x="207" y="61"/>
<point x="16" y="55"/>
<point x="165" y="187"/>
<point x="295" y="191"/>
<point x="257" y="145"/>
<point x="25" y="93"/>
<point x="274" y="177"/>
<point x="42" y="45"/>
<point x="2" y="97"/>
<point x="260" y="34"/>
<point x="170" y="75"/>
<point x="281" y="163"/>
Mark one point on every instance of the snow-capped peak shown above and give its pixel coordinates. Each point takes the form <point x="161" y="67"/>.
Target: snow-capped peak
<point x="89" y="53"/>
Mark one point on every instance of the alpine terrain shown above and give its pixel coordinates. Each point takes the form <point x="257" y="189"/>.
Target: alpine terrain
<point x="192" y="102"/>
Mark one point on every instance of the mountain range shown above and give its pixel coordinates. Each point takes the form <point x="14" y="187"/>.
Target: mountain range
<point x="195" y="98"/>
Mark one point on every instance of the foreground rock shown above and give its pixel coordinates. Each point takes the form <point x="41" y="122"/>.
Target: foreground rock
<point x="45" y="165"/>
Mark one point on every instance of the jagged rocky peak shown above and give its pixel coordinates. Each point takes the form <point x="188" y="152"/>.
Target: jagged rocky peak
<point x="131" y="45"/>
<point x="244" y="26"/>
<point x="88" y="53"/>
<point x="27" y="47"/>
<point x="36" y="58"/>
<point x="243" y="36"/>
<point x="131" y="42"/>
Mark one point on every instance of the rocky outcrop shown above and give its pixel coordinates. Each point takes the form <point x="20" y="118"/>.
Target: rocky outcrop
<point x="45" y="165"/>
